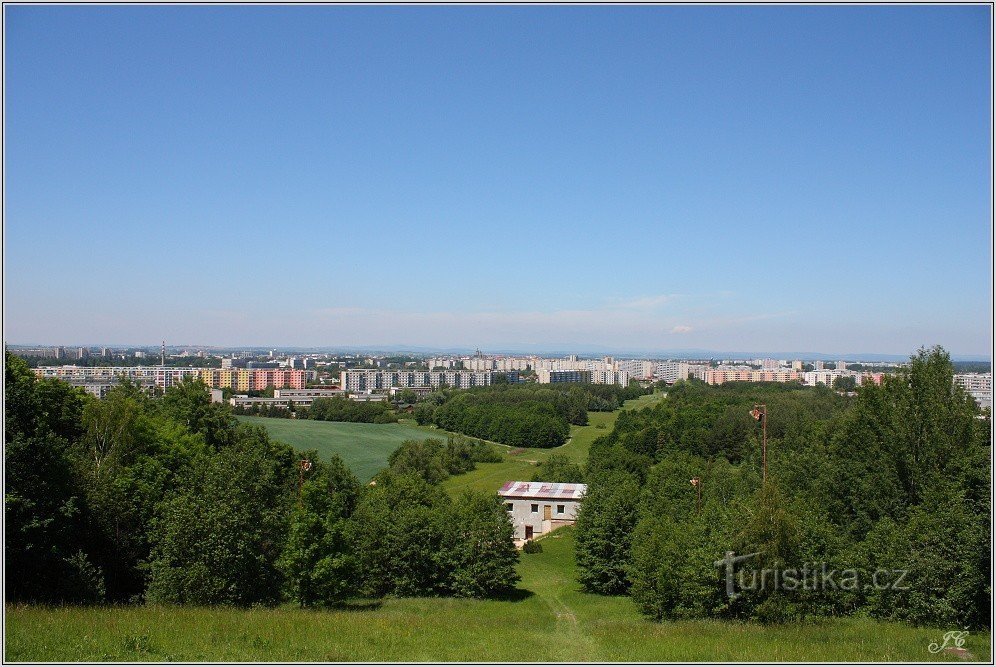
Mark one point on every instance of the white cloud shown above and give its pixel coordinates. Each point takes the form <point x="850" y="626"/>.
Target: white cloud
<point x="680" y="329"/>
<point x="647" y="302"/>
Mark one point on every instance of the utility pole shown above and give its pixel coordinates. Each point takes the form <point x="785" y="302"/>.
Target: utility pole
<point x="697" y="483"/>
<point x="303" y="466"/>
<point x="760" y="413"/>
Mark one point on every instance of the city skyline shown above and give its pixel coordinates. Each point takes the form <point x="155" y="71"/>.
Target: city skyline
<point x="545" y="178"/>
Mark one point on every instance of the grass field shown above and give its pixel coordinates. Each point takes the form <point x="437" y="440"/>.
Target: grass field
<point x="549" y="620"/>
<point x="364" y="447"/>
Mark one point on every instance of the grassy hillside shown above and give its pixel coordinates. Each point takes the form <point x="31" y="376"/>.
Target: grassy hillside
<point x="364" y="447"/>
<point x="549" y="620"/>
<point x="520" y="464"/>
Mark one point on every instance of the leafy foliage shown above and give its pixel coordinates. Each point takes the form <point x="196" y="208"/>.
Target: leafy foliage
<point x="339" y="409"/>
<point x="891" y="483"/>
<point x="168" y="499"/>
<point x="521" y="415"/>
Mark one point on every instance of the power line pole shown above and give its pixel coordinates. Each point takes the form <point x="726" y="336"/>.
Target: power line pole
<point x="760" y="413"/>
<point x="697" y="483"/>
<point x="303" y="466"/>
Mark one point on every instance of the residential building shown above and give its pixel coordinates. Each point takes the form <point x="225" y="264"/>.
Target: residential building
<point x="536" y="508"/>
<point x="723" y="374"/>
<point x="978" y="385"/>
<point x="364" y="380"/>
<point x="547" y="376"/>
<point x="164" y="377"/>
<point x="637" y="368"/>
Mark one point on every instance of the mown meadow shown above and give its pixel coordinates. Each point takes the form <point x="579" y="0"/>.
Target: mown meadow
<point x="363" y="447"/>
<point x="548" y="618"/>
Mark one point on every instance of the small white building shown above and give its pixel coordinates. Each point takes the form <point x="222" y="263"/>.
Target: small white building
<point x="536" y="508"/>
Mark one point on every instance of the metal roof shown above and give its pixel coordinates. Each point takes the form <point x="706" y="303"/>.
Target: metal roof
<point x="546" y="490"/>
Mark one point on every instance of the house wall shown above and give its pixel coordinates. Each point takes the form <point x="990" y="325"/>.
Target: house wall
<point x="522" y="515"/>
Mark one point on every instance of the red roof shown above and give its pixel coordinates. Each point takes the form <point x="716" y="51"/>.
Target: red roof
<point x="548" y="490"/>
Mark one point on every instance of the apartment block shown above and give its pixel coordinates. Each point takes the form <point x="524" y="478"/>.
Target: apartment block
<point x="547" y="376"/>
<point x="363" y="380"/>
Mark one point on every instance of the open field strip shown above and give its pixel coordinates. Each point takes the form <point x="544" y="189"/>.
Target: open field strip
<point x="549" y="619"/>
<point x="364" y="447"/>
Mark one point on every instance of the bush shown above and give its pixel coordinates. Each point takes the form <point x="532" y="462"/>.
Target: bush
<point x="217" y="538"/>
<point x="532" y="547"/>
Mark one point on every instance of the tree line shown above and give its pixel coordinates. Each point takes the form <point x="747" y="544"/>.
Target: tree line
<point x="889" y="490"/>
<point x="330" y="409"/>
<point x="526" y="415"/>
<point x="169" y="499"/>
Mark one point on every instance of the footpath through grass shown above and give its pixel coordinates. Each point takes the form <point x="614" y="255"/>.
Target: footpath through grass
<point x="520" y="464"/>
<point x="549" y="619"/>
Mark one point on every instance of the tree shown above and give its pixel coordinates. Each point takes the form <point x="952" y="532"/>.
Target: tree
<point x="845" y="383"/>
<point x="217" y="538"/>
<point x="420" y="457"/>
<point x="935" y="565"/>
<point x="559" y="468"/>
<point x="603" y="533"/>
<point x="485" y="551"/>
<point x="318" y="561"/>
<point x="189" y="403"/>
<point x="422" y="550"/>
<point x="44" y="560"/>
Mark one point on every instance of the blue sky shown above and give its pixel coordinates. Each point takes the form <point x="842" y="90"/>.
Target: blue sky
<point x="748" y="178"/>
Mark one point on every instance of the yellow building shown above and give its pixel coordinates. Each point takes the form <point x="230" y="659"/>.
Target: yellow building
<point x="209" y="378"/>
<point x="242" y="379"/>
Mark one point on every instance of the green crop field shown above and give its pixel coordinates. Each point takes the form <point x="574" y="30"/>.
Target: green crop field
<point x="364" y="447"/>
<point x="549" y="619"/>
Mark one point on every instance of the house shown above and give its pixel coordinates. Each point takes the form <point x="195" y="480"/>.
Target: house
<point x="536" y="508"/>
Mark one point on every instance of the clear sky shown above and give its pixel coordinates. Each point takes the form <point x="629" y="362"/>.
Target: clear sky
<point x="659" y="178"/>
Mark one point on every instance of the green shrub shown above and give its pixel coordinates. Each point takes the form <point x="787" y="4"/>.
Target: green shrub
<point x="532" y="547"/>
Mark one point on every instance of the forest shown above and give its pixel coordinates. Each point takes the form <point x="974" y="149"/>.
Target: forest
<point x="888" y="491"/>
<point x="169" y="499"/>
<point x="526" y="415"/>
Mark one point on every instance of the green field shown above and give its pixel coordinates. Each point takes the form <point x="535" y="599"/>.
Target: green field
<point x="364" y="447"/>
<point x="549" y="620"/>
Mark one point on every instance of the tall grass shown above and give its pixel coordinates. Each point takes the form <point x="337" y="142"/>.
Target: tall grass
<point x="549" y="619"/>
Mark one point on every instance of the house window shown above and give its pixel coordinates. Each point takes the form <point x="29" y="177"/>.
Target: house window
<point x="560" y="509"/>
<point x="534" y="508"/>
<point x="508" y="506"/>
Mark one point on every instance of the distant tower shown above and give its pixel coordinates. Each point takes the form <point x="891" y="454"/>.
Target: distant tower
<point x="164" y="354"/>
